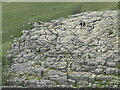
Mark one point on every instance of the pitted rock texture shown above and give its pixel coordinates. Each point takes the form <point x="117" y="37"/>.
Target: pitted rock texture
<point x="60" y="53"/>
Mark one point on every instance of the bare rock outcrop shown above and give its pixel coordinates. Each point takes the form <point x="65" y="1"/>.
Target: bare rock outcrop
<point x="60" y="53"/>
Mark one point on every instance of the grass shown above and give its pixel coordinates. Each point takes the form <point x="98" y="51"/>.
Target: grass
<point x="56" y="83"/>
<point x="49" y="68"/>
<point x="16" y="15"/>
<point x="76" y="86"/>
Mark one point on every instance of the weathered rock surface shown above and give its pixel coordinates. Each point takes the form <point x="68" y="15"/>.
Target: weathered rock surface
<point x="60" y="53"/>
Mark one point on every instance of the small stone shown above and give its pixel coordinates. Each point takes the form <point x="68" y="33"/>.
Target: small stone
<point x="111" y="64"/>
<point x="99" y="71"/>
<point x="43" y="49"/>
<point x="45" y="82"/>
<point x="71" y="81"/>
<point x="103" y="82"/>
<point x="92" y="78"/>
<point x="94" y="85"/>
<point x="82" y="83"/>
<point x="63" y="80"/>
<point x="34" y="37"/>
<point x="102" y="77"/>
<point x="111" y="70"/>
<point x="33" y="82"/>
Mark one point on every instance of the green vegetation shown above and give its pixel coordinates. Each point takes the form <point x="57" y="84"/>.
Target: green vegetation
<point x="56" y="83"/>
<point x="40" y="53"/>
<point x="38" y="64"/>
<point x="76" y="85"/>
<point x="26" y="74"/>
<point x="110" y="32"/>
<point x="118" y="66"/>
<point x="69" y="71"/>
<point x="93" y="45"/>
<point x="14" y="75"/>
<point x="100" y="82"/>
<point x="77" y="9"/>
<point x="16" y="15"/>
<point x="78" y="58"/>
<point x="49" y="68"/>
<point x="31" y="78"/>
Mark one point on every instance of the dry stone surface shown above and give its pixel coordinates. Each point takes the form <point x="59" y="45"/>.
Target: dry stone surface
<point x="60" y="53"/>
